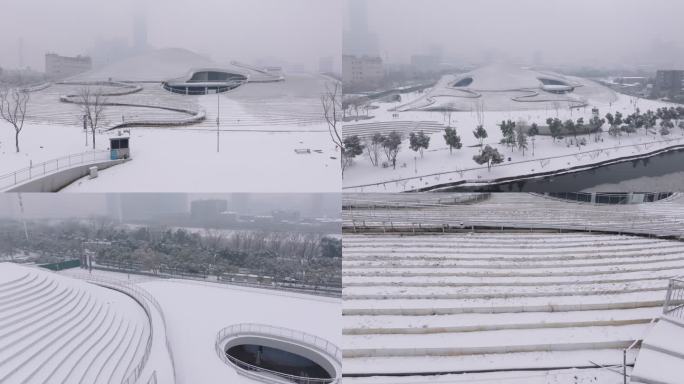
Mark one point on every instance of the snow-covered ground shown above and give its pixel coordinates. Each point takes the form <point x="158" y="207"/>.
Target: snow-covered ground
<point x="196" y="311"/>
<point x="262" y="124"/>
<point x="438" y="166"/>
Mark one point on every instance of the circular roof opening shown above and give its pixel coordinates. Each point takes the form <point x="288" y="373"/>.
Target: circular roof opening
<point x="464" y="82"/>
<point x="205" y="81"/>
<point x="278" y="355"/>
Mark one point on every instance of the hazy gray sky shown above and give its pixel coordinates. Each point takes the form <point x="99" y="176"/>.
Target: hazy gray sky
<point x="590" y="32"/>
<point x="82" y="205"/>
<point x="244" y="30"/>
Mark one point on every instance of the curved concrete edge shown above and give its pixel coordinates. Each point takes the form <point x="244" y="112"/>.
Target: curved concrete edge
<point x="485" y="296"/>
<point x="498" y="327"/>
<point x="54" y="182"/>
<point x="463" y="351"/>
<point x="501" y="309"/>
<point x="196" y="116"/>
<point x="138" y="371"/>
<point x="290" y="346"/>
<point x="37" y="87"/>
<point x="128" y="88"/>
<point x="284" y="339"/>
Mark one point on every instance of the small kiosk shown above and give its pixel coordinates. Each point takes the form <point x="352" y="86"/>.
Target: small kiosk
<point x="119" y="148"/>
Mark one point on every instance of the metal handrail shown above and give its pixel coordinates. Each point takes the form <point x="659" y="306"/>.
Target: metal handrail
<point x="135" y="374"/>
<point x="147" y="296"/>
<point x="41" y="169"/>
<point x="674" y="301"/>
<point x="307" y="339"/>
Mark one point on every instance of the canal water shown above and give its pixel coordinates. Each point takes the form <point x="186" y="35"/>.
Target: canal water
<point x="661" y="172"/>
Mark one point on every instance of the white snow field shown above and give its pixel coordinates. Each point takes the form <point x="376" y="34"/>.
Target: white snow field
<point x="498" y="94"/>
<point x="511" y="305"/>
<point x="263" y="126"/>
<point x="55" y="329"/>
<point x="195" y="313"/>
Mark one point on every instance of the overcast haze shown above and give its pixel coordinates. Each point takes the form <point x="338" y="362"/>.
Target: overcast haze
<point x="295" y="31"/>
<point x="552" y="32"/>
<point x="83" y="205"/>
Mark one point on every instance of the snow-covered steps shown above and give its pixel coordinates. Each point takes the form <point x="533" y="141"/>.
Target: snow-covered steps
<point x="661" y="357"/>
<point x="540" y="339"/>
<point x="499" y="300"/>
<point x="441" y="324"/>
<point x="428" y="366"/>
<point x="54" y="329"/>
<point x="518" y="210"/>
<point x="559" y="376"/>
<point x="384" y="128"/>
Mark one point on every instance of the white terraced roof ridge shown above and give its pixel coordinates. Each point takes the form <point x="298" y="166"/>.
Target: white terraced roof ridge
<point x="59" y="330"/>
<point x="434" y="303"/>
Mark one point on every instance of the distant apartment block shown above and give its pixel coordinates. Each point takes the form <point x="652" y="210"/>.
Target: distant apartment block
<point x="669" y="83"/>
<point x="362" y="71"/>
<point x="60" y="67"/>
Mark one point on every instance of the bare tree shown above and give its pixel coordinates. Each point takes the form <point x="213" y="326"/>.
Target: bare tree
<point x="331" y="100"/>
<point x="93" y="105"/>
<point x="13" y="104"/>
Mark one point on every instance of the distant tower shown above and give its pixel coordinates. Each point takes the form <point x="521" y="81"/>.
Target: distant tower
<point x="140" y="33"/>
<point x="358" y="16"/>
<point x="359" y="40"/>
<point x="114" y="207"/>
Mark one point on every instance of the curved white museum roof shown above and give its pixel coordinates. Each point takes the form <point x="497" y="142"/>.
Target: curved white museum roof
<point x="60" y="326"/>
<point x="55" y="329"/>
<point x="166" y="64"/>
<point x="507" y="87"/>
<point x="501" y="77"/>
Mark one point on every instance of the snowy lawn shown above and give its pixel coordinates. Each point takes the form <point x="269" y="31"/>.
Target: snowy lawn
<point x="438" y="166"/>
<point x="180" y="160"/>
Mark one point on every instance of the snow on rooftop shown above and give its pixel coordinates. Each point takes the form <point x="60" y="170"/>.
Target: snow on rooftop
<point x="499" y="77"/>
<point x="195" y="312"/>
<point x="155" y="65"/>
<point x="56" y="329"/>
<point x="428" y="304"/>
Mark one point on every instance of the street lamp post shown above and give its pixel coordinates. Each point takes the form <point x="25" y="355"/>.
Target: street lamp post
<point x="218" y="119"/>
<point x="85" y="129"/>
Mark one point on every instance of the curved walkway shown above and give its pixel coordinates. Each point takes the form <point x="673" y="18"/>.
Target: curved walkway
<point x="196" y="116"/>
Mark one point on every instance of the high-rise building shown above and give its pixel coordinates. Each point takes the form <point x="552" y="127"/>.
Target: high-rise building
<point x="362" y="71"/>
<point x="669" y="83"/>
<point x="358" y="39"/>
